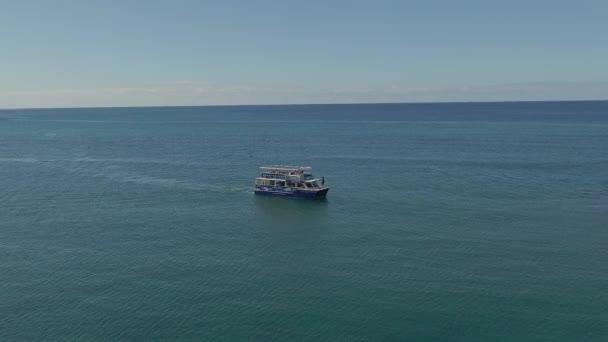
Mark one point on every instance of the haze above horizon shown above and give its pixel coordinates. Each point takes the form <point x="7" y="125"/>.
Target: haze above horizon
<point x="160" y="53"/>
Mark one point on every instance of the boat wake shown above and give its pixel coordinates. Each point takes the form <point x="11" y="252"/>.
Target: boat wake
<point x="90" y="167"/>
<point x="18" y="160"/>
<point x="175" y="183"/>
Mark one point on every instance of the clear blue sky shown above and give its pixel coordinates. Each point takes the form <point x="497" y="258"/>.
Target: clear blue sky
<point x="183" y="52"/>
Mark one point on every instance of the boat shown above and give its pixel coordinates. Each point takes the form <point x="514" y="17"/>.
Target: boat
<point x="290" y="181"/>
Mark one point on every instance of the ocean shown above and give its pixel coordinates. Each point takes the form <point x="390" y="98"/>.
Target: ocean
<point x="470" y="221"/>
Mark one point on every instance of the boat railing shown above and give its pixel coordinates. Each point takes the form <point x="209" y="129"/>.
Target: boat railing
<point x="274" y="176"/>
<point x="281" y="169"/>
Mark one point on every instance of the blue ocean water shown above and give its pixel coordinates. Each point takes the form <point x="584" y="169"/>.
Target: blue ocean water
<point x="484" y="221"/>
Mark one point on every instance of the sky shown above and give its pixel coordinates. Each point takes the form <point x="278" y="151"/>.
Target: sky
<point x="65" y="53"/>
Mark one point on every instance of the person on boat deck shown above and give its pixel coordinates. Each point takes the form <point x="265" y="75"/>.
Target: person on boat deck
<point x="322" y="180"/>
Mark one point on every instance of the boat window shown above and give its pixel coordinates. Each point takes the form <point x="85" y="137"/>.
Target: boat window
<point x="281" y="183"/>
<point x="271" y="182"/>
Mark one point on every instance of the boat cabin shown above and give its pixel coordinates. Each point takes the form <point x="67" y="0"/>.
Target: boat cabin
<point x="288" y="176"/>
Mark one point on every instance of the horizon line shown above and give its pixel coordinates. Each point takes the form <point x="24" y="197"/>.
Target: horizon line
<point x="305" y="104"/>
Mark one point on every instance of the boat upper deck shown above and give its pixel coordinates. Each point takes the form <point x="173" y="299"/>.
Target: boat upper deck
<point x="291" y="173"/>
<point x="284" y="169"/>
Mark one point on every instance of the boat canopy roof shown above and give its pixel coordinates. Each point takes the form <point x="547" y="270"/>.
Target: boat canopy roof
<point x="285" y="168"/>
